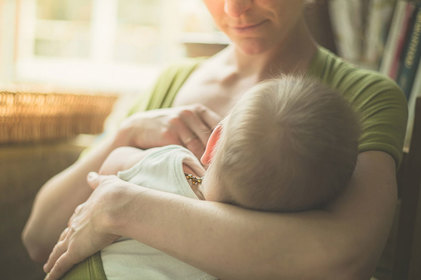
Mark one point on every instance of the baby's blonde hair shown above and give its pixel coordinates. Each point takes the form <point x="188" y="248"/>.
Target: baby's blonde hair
<point x="290" y="144"/>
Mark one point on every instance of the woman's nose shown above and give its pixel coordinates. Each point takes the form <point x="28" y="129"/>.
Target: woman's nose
<point x="235" y="8"/>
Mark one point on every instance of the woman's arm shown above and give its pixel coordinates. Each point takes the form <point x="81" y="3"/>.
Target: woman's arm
<point x="56" y="201"/>
<point x="342" y="242"/>
<point x="189" y="126"/>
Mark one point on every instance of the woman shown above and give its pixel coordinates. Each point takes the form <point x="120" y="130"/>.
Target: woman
<point x="343" y="241"/>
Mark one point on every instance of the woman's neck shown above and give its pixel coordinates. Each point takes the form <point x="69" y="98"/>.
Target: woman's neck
<point x="292" y="55"/>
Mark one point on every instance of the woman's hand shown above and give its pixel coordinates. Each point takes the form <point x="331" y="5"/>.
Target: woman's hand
<point x="189" y="126"/>
<point x="87" y="230"/>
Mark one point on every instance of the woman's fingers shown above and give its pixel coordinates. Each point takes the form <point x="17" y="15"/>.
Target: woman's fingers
<point x="185" y="126"/>
<point x="194" y="126"/>
<point x="96" y="181"/>
<point x="209" y="117"/>
<point x="93" y="180"/>
<point x="59" y="249"/>
<point x="85" y="234"/>
<point x="198" y="129"/>
<point x="189" y="126"/>
<point x="182" y="131"/>
<point x="63" y="234"/>
<point x="61" y="266"/>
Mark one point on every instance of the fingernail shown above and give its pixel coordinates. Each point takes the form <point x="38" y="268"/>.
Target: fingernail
<point x="92" y="176"/>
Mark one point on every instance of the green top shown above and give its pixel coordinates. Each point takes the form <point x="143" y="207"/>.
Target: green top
<point x="378" y="100"/>
<point x="166" y="87"/>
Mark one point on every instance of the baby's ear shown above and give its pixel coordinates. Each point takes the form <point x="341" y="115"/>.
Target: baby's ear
<point x="210" y="146"/>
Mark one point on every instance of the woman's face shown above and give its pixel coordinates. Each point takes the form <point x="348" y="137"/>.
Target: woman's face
<point x="255" y="26"/>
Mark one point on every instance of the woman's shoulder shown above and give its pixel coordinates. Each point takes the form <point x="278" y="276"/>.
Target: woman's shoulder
<point x="178" y="72"/>
<point x="378" y="100"/>
<point x="184" y="66"/>
<point x="166" y="86"/>
<point x="350" y="79"/>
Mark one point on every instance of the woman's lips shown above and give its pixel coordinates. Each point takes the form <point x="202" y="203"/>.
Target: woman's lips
<point x="248" y="28"/>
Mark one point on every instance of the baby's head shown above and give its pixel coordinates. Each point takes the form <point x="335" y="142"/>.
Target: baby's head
<point x="289" y="144"/>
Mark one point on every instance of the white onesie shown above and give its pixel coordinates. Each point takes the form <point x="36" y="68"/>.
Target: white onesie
<point x="160" y="169"/>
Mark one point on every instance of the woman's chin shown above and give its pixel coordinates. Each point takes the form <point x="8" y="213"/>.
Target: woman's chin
<point x="252" y="47"/>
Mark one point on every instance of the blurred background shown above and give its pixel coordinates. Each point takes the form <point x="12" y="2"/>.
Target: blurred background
<point x="108" y="45"/>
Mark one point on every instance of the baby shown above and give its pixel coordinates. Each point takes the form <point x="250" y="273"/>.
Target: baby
<point x="290" y="144"/>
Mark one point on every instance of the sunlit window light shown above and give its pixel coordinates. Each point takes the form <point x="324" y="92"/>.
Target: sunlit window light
<point x="108" y="45"/>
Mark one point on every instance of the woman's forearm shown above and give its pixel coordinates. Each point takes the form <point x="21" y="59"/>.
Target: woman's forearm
<point x="343" y="242"/>
<point x="56" y="201"/>
<point x="234" y="243"/>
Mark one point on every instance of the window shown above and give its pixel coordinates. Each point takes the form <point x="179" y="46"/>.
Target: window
<point x="113" y="45"/>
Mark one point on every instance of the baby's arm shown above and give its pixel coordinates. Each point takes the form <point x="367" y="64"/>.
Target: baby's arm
<point x="121" y="159"/>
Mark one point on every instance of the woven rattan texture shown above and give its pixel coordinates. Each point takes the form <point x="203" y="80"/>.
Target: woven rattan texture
<point x="33" y="117"/>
